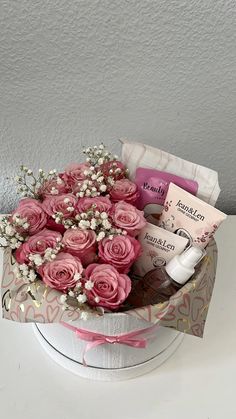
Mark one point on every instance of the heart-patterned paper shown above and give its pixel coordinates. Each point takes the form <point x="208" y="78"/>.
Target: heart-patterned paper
<point x="186" y="311"/>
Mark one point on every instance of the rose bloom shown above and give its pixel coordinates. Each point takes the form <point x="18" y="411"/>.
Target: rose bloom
<point x="56" y="203"/>
<point x="101" y="204"/>
<point x="129" y="218"/>
<point x="113" y="165"/>
<point x="124" y="190"/>
<point x="74" y="173"/>
<point x="52" y="187"/>
<point x="81" y="243"/>
<point x="120" y="252"/>
<point x="52" y="225"/>
<point x="32" y="210"/>
<point x="37" y="244"/>
<point x="110" y="288"/>
<point x="61" y="272"/>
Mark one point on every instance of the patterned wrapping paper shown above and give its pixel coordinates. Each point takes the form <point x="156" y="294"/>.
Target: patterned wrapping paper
<point x="185" y="311"/>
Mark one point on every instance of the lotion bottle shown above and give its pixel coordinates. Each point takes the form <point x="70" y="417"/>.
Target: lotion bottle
<point x="159" y="284"/>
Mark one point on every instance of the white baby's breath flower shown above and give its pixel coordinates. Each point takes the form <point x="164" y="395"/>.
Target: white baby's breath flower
<point x="83" y="187"/>
<point x="32" y="275"/>
<point x="106" y="224"/>
<point x="110" y="180"/>
<point x="84" y="224"/>
<point x="83" y="215"/>
<point x="23" y="266"/>
<point x="100" y="236"/>
<point x="10" y="231"/>
<point x="71" y="293"/>
<point x="36" y="259"/>
<point x="66" y="200"/>
<point x="81" y="298"/>
<point x="104" y="215"/>
<point x="59" y="181"/>
<point x="77" y="276"/>
<point x="103" y="188"/>
<point x="89" y="285"/>
<point x="97" y="299"/>
<point x="54" y="191"/>
<point x="100" y="161"/>
<point x="93" y="224"/>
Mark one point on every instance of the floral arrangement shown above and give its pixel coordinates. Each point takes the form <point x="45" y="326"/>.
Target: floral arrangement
<point x="76" y="230"/>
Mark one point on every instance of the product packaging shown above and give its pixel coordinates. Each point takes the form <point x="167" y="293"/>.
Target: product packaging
<point x="140" y="155"/>
<point x="159" y="284"/>
<point x="153" y="186"/>
<point x="188" y="216"/>
<point x="159" y="246"/>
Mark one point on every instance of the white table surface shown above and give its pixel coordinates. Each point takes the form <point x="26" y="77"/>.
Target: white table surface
<point x="198" y="382"/>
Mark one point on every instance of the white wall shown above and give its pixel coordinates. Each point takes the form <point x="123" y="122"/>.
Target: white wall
<point x="75" y="72"/>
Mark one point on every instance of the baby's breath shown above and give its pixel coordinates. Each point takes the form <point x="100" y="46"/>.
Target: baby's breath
<point x="98" y="155"/>
<point x="30" y="185"/>
<point x="13" y="229"/>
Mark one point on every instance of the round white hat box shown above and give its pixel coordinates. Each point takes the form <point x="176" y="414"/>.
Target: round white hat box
<point x="108" y="362"/>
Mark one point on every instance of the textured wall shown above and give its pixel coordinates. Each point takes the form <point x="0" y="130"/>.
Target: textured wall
<point x="76" y="71"/>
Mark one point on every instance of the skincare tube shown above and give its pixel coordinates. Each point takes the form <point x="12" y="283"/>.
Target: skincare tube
<point x="190" y="217"/>
<point x="158" y="247"/>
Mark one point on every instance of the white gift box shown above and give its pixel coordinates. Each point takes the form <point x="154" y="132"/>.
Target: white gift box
<point x="185" y="311"/>
<point x="108" y="361"/>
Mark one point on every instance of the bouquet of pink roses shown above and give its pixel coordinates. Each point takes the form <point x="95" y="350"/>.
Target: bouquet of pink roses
<point x="76" y="230"/>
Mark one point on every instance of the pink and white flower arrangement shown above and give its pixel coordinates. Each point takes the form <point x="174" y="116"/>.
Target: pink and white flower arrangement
<point x="77" y="230"/>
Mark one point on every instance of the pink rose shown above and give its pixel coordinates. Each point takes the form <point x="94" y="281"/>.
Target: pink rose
<point x="129" y="218"/>
<point x="52" y="225"/>
<point x="101" y="204"/>
<point x="81" y="243"/>
<point x="120" y="252"/>
<point x="110" y="169"/>
<point x="37" y="244"/>
<point x="60" y="203"/>
<point x="52" y="187"/>
<point x="32" y="210"/>
<point x="74" y="173"/>
<point x="61" y="272"/>
<point x="110" y="288"/>
<point x="124" y="190"/>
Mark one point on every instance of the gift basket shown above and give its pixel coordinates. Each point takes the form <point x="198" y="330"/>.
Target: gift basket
<point x="113" y="261"/>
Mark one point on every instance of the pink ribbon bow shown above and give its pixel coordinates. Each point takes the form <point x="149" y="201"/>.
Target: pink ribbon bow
<point x="135" y="339"/>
